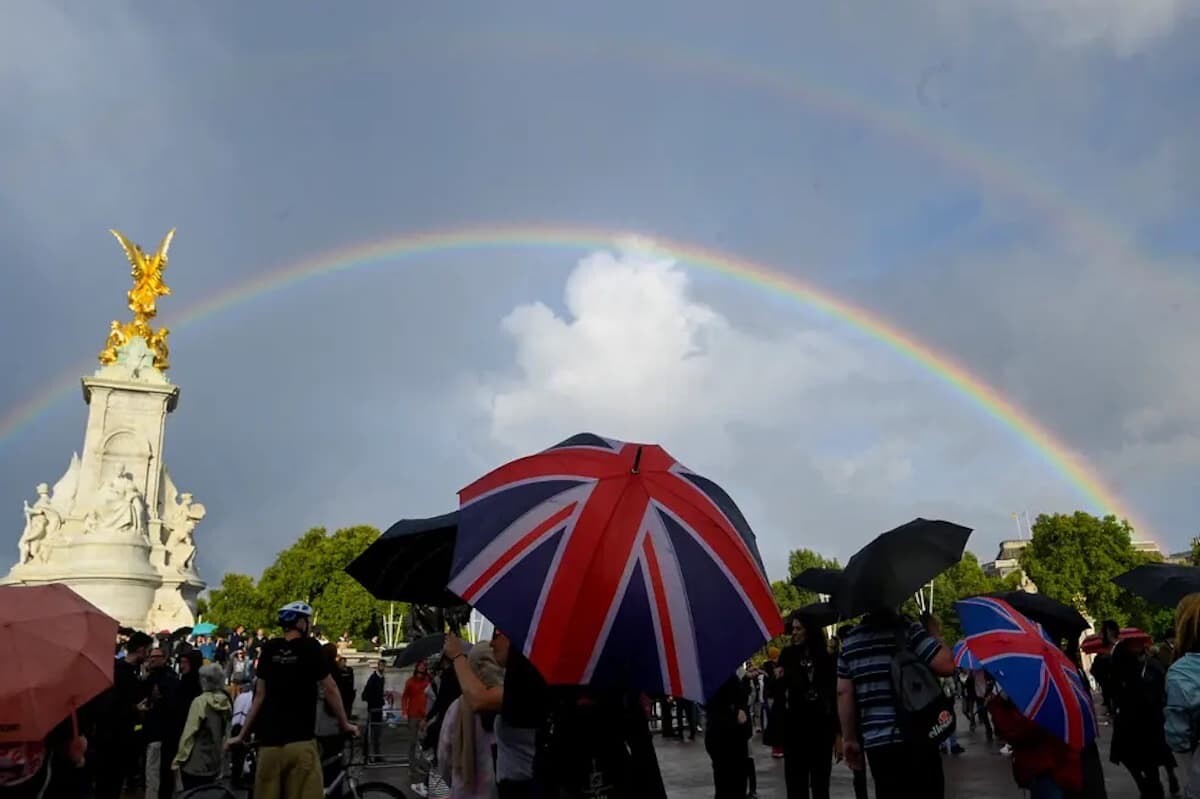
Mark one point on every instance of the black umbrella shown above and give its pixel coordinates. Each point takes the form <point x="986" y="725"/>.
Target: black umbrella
<point x="819" y="614"/>
<point x="895" y="565"/>
<point x="1061" y="621"/>
<point x="420" y="649"/>
<point x="822" y="581"/>
<point x="1160" y="583"/>
<point x="411" y="562"/>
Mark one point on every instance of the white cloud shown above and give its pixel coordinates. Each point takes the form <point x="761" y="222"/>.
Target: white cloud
<point x="816" y="433"/>
<point x="635" y="357"/>
<point x="1127" y="26"/>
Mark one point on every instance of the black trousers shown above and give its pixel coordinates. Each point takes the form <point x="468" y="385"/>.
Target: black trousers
<point x="807" y="765"/>
<point x="907" y="771"/>
<point x="515" y="789"/>
<point x="860" y="784"/>
<point x="729" y="775"/>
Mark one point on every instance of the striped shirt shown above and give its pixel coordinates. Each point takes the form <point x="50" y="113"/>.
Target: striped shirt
<point x="866" y="659"/>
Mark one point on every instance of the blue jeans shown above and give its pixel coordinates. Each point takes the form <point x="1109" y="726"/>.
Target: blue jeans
<point x="1045" y="788"/>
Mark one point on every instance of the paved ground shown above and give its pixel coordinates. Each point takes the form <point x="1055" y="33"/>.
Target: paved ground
<point x="981" y="773"/>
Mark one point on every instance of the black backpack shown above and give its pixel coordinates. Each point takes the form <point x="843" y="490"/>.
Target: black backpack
<point x="923" y="711"/>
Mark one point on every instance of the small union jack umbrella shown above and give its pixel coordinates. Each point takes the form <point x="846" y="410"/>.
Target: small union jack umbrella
<point x="1040" y="680"/>
<point x="964" y="659"/>
<point x="609" y="563"/>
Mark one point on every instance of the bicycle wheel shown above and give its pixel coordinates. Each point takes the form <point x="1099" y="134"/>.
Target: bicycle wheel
<point x="377" y="790"/>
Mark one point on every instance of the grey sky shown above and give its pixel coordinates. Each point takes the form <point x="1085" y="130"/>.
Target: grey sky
<point x="1016" y="187"/>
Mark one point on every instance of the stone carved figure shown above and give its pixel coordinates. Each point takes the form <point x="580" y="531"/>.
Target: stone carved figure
<point x="123" y="510"/>
<point x="42" y="522"/>
<point x="183" y="516"/>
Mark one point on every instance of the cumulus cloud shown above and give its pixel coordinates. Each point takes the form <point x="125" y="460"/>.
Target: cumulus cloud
<point x="819" y="434"/>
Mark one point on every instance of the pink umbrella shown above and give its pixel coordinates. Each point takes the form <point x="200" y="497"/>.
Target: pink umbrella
<point x="58" y="654"/>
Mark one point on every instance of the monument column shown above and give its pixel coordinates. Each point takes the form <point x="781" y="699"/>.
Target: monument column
<point x="115" y="528"/>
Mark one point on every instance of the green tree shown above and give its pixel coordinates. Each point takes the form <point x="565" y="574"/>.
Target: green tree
<point x="1073" y="558"/>
<point x="313" y="570"/>
<point x="237" y="601"/>
<point x="1194" y="556"/>
<point x="787" y="597"/>
<point x="963" y="579"/>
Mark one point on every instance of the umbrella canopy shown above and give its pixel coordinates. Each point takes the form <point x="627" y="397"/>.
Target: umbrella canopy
<point x="964" y="659"/>
<point x="896" y="564"/>
<point x="820" y="614"/>
<point x="1094" y="644"/>
<point x="1163" y="584"/>
<point x="410" y="562"/>
<point x="423" y="648"/>
<point x="1059" y="620"/>
<point x="821" y="581"/>
<point x="1040" y="680"/>
<point x="58" y="654"/>
<point x="204" y="628"/>
<point x="610" y="563"/>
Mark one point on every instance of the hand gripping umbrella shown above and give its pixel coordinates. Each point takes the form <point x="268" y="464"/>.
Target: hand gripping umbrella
<point x="896" y="564"/>
<point x="611" y="564"/>
<point x="58" y="654"/>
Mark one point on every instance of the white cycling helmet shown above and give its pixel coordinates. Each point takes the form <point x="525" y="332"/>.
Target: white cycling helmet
<point x="292" y="612"/>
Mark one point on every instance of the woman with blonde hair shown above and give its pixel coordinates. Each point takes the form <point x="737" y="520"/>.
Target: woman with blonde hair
<point x="464" y="752"/>
<point x="1183" y="689"/>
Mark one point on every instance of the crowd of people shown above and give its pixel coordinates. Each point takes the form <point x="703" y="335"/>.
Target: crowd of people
<point x="483" y="724"/>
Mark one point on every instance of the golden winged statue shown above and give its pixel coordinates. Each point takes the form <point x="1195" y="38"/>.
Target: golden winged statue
<point x="148" y="286"/>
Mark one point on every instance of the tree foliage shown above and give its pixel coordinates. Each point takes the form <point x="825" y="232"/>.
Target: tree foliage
<point x="311" y="570"/>
<point x="963" y="579"/>
<point x="236" y="602"/>
<point x="1073" y="558"/>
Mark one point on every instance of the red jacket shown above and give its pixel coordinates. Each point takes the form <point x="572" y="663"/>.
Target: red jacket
<point x="412" y="701"/>
<point x="1035" y="751"/>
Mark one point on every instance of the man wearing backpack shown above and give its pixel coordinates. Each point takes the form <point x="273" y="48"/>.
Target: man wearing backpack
<point x="890" y="705"/>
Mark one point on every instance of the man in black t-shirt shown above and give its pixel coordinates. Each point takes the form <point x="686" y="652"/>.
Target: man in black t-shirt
<point x="284" y="712"/>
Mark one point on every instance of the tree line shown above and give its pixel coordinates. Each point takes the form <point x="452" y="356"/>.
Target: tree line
<point x="1069" y="557"/>
<point x="311" y="570"/>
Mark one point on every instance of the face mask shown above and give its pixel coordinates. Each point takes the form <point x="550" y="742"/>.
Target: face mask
<point x="741" y="672"/>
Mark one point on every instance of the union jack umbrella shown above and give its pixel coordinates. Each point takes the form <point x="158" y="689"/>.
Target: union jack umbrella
<point x="610" y="563"/>
<point x="964" y="659"/>
<point x="1040" y="680"/>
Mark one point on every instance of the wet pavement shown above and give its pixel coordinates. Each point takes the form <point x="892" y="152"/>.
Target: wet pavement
<point x="981" y="772"/>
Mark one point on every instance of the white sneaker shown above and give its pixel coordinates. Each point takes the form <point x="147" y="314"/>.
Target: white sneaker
<point x="1006" y="750"/>
<point x="419" y="789"/>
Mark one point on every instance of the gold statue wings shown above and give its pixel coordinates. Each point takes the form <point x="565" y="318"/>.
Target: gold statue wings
<point x="148" y="286"/>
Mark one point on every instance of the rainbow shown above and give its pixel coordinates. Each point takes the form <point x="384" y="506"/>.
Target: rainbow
<point x="1058" y="455"/>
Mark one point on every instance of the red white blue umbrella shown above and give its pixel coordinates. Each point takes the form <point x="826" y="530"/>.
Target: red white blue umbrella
<point x="608" y="562"/>
<point x="1040" y="680"/>
<point x="964" y="659"/>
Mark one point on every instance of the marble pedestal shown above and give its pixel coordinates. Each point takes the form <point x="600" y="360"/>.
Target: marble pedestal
<point x="114" y="527"/>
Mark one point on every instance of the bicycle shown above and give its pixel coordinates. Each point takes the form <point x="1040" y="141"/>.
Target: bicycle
<point x="344" y="783"/>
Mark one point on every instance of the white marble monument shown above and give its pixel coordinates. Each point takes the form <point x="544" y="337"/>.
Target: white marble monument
<point x="114" y="527"/>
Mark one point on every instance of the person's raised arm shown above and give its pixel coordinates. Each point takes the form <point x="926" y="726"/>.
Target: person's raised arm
<point x="942" y="663"/>
<point x="480" y="698"/>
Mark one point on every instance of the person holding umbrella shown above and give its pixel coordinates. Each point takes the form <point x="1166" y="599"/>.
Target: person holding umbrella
<point x="895" y="741"/>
